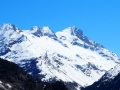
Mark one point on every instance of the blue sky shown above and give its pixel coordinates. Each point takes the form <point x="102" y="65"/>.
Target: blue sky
<point x="99" y="19"/>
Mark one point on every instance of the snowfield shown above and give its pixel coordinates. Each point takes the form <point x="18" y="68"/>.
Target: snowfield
<point x="66" y="55"/>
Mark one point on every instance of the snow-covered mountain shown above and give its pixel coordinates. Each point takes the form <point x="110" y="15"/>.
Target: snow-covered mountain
<point x="67" y="55"/>
<point x="109" y="81"/>
<point x="12" y="77"/>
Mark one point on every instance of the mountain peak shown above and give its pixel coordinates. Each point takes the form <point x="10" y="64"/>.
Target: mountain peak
<point x="73" y="27"/>
<point x="80" y="39"/>
<point x="46" y="31"/>
<point x="45" y="27"/>
<point x="73" y="30"/>
<point x="8" y="26"/>
<point x="35" y="28"/>
<point x="76" y="31"/>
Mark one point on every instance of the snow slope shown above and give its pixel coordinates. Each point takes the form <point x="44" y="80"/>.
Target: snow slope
<point x="109" y="81"/>
<point x="67" y="55"/>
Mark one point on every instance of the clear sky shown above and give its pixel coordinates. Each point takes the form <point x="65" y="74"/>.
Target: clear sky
<point x="99" y="19"/>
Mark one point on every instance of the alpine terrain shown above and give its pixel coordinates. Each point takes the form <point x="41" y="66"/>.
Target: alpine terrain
<point x="12" y="77"/>
<point x="109" y="81"/>
<point x="66" y="55"/>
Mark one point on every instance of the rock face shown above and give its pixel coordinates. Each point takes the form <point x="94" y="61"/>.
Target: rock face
<point x="109" y="81"/>
<point x="12" y="77"/>
<point x="67" y="55"/>
<point x="35" y="30"/>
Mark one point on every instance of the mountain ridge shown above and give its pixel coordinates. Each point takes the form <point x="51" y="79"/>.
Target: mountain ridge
<point x="109" y="81"/>
<point x="57" y="55"/>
